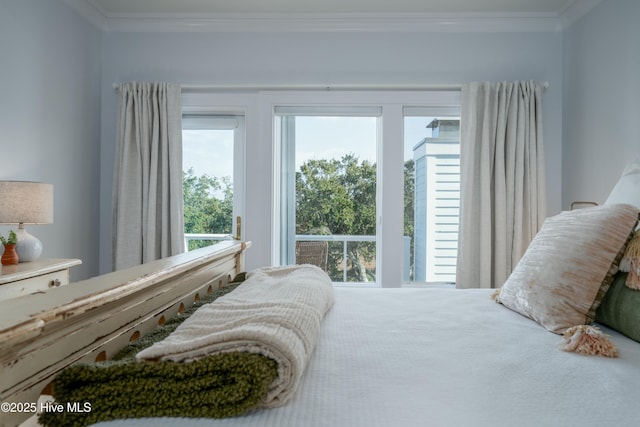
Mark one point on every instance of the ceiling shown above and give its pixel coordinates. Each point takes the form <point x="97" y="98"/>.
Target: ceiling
<point x="173" y="7"/>
<point x="331" y="15"/>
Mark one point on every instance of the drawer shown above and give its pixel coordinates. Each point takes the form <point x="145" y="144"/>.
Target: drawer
<point x="34" y="284"/>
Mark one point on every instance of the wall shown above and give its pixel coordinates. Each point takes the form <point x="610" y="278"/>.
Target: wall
<point x="601" y="99"/>
<point x="325" y="58"/>
<point x="50" y="120"/>
<point x="54" y="86"/>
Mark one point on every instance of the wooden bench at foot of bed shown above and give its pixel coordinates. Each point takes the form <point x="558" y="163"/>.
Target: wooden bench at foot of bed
<point x="43" y="333"/>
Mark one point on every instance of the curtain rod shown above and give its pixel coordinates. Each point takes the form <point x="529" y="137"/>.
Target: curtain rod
<point x="317" y="87"/>
<point x="311" y="87"/>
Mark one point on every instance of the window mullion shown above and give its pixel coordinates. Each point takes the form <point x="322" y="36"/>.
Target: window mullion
<point x="288" y="180"/>
<point x="390" y="197"/>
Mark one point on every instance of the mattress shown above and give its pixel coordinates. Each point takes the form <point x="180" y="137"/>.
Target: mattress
<point x="444" y="357"/>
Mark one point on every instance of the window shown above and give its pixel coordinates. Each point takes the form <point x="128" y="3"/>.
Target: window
<point x="210" y="143"/>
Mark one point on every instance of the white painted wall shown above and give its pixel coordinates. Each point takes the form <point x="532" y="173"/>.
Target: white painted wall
<point x="323" y="58"/>
<point x="57" y="110"/>
<point x="57" y="107"/>
<point x="601" y="99"/>
<point x="50" y="120"/>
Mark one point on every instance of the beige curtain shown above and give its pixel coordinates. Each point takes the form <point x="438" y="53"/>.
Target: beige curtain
<point x="503" y="200"/>
<point x="147" y="185"/>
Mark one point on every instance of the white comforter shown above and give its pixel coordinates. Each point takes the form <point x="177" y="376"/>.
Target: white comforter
<point x="446" y="357"/>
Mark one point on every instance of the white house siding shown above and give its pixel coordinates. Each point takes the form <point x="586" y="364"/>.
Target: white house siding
<point x="437" y="208"/>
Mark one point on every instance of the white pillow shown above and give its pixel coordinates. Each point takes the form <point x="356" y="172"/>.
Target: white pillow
<point x="627" y="189"/>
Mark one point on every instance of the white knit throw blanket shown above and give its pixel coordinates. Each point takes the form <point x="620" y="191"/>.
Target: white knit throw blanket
<point x="276" y="312"/>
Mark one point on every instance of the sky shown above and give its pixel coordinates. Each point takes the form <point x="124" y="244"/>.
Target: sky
<point x="208" y="152"/>
<point x="211" y="151"/>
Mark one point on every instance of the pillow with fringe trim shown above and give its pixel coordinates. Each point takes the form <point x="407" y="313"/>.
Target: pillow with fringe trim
<point x="631" y="262"/>
<point x="568" y="267"/>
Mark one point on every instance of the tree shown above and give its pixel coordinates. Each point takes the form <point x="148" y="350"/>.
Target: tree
<point x="339" y="195"/>
<point x="333" y="196"/>
<point x="208" y="205"/>
<point x="409" y="198"/>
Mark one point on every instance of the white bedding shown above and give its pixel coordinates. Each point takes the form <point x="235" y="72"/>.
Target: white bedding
<point x="445" y="357"/>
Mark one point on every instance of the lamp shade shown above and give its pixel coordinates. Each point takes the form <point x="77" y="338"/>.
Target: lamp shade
<point x="26" y="202"/>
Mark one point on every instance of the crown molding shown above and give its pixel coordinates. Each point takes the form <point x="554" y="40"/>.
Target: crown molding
<point x="576" y="10"/>
<point x="343" y="22"/>
<point x="324" y="22"/>
<point x="89" y="11"/>
<point x="334" y="22"/>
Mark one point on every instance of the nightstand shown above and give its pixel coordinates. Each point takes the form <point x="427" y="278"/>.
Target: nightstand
<point x="35" y="276"/>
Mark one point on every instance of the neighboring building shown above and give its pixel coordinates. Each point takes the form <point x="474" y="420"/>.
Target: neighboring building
<point x="437" y="202"/>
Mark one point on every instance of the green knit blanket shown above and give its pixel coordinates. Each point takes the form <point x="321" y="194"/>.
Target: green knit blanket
<point x="217" y="386"/>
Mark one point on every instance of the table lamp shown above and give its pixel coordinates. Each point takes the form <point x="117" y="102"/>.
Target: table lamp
<point x="26" y="202"/>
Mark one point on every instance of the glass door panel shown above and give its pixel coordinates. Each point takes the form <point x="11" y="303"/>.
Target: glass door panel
<point x="329" y="193"/>
<point x="208" y="145"/>
<point x="432" y="198"/>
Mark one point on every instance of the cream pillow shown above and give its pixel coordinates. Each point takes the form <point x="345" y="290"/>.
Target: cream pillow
<point x="569" y="265"/>
<point x="627" y="189"/>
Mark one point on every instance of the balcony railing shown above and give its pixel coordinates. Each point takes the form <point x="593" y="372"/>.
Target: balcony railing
<point x="213" y="238"/>
<point x="344" y="239"/>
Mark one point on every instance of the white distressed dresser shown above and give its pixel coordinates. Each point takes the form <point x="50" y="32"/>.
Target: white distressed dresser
<point x="35" y="276"/>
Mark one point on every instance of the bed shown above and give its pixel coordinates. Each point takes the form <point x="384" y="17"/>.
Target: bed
<point x="375" y="366"/>
<point x="383" y="356"/>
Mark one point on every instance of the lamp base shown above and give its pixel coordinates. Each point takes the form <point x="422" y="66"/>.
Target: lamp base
<point x="29" y="248"/>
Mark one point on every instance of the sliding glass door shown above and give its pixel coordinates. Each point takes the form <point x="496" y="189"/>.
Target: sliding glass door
<point x="329" y="181"/>
<point x="356" y="190"/>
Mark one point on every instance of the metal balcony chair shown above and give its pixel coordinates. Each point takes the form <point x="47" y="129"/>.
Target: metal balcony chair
<point x="314" y="253"/>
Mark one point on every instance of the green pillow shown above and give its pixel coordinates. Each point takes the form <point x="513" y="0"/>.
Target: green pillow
<point x="620" y="308"/>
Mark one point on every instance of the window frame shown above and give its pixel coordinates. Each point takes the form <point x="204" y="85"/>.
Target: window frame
<point x="285" y="134"/>
<point x="390" y="164"/>
<point x="437" y="157"/>
<point x="212" y="105"/>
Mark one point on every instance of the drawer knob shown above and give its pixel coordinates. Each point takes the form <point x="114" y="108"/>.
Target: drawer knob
<point x="55" y="283"/>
